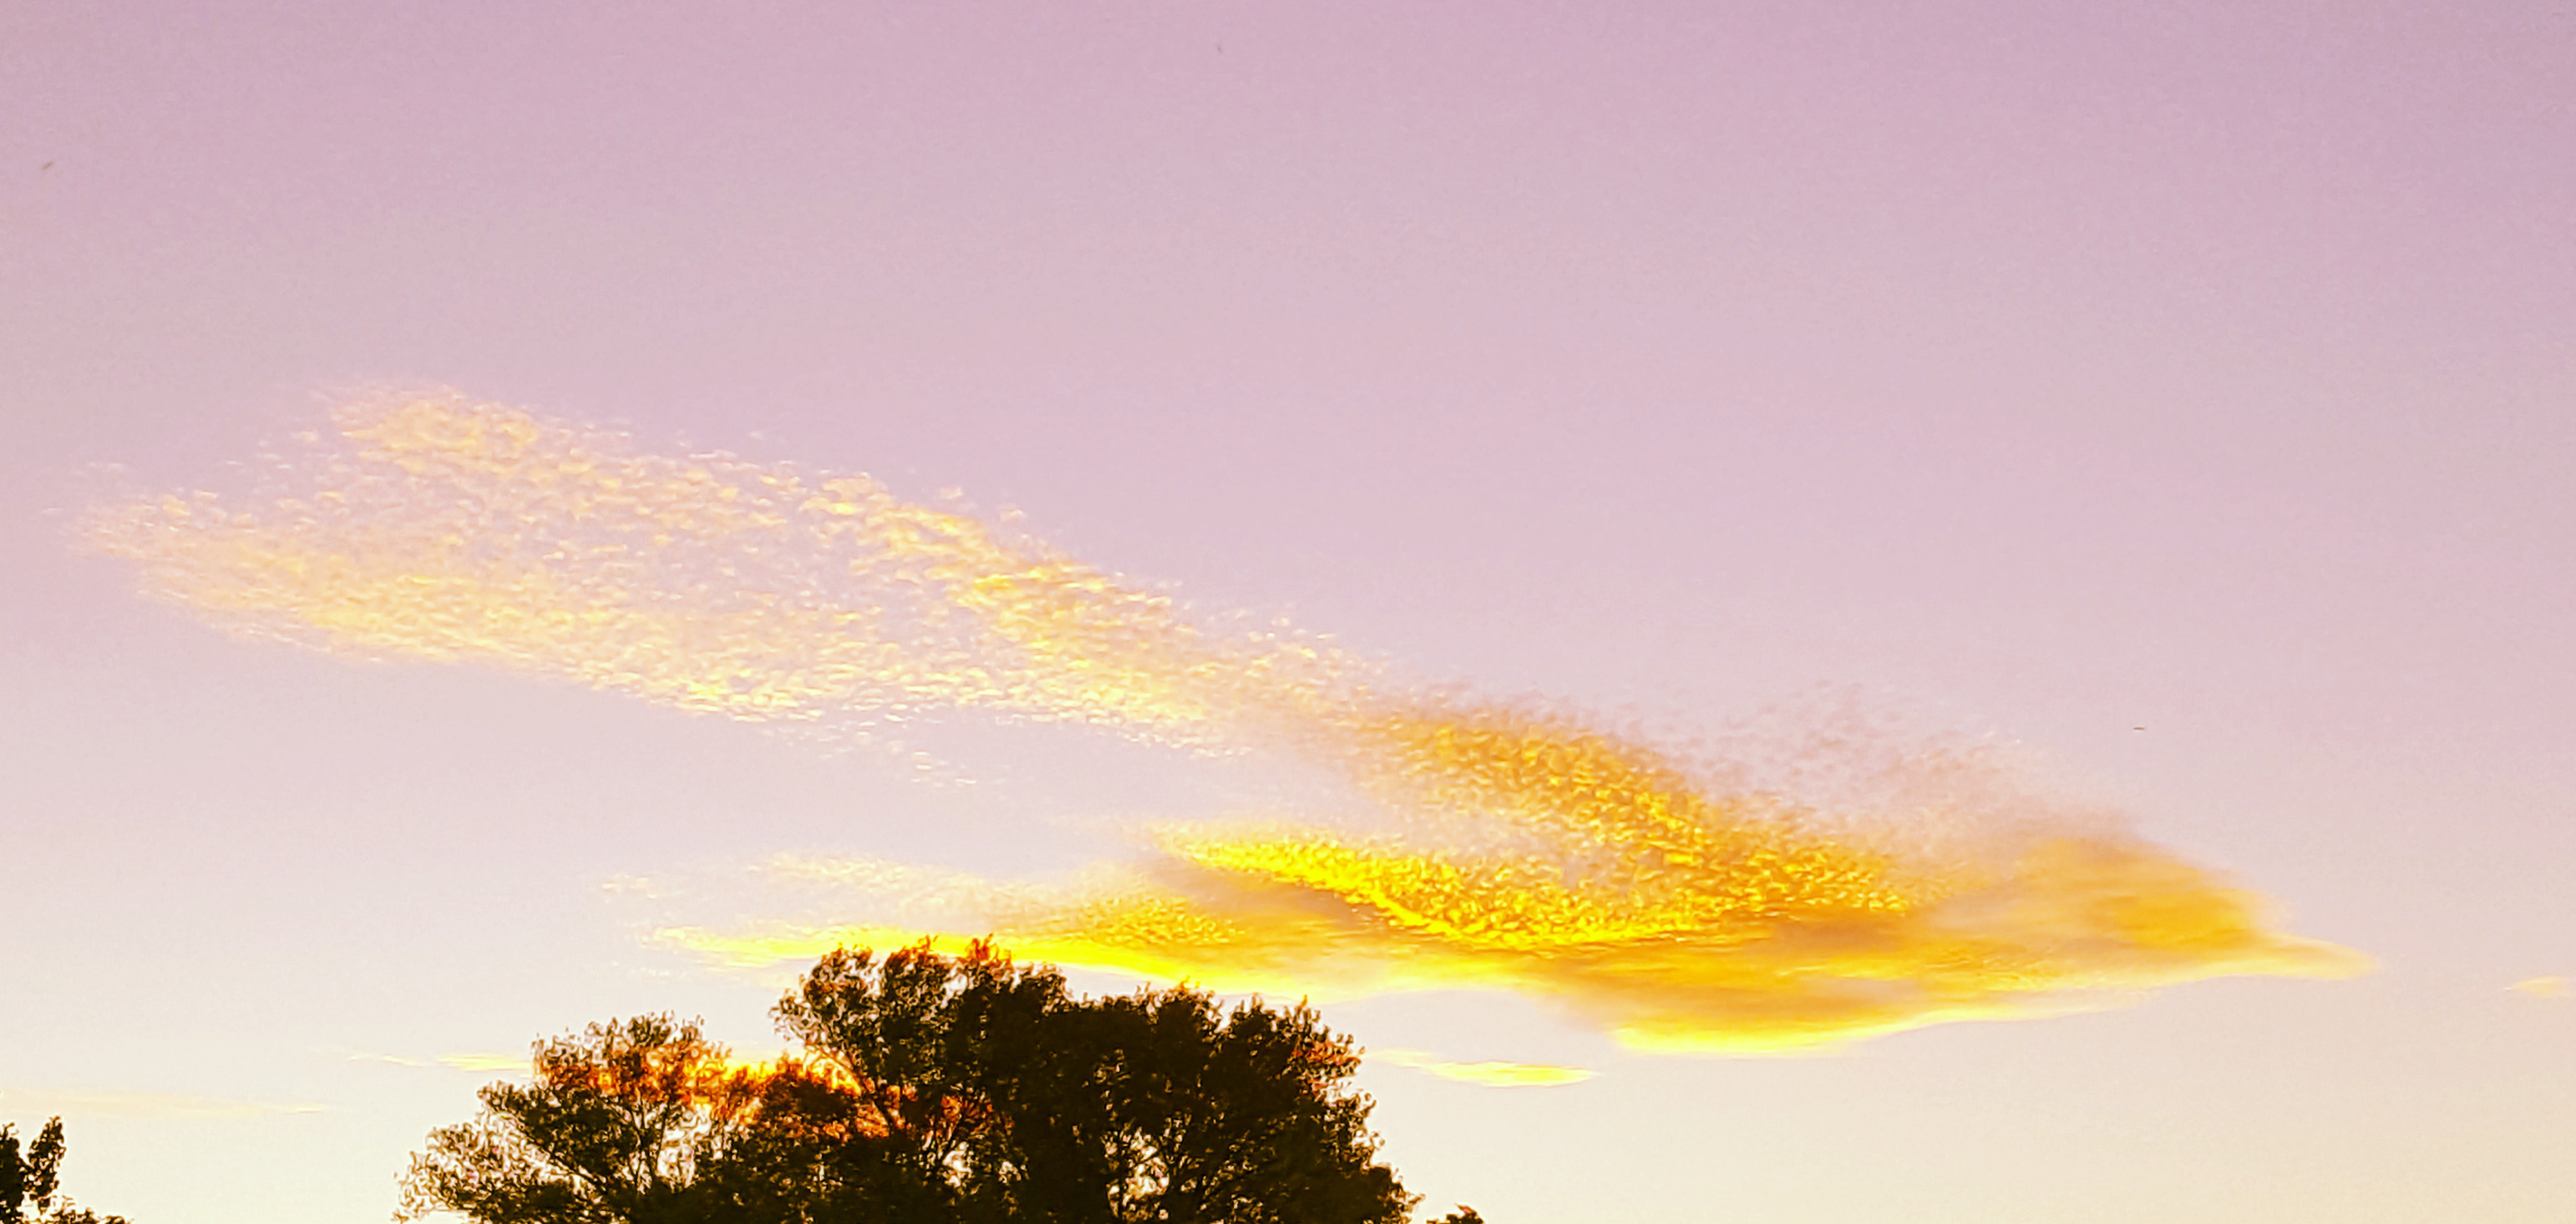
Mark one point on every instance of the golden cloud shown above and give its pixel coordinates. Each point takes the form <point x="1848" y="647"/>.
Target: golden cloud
<point x="1486" y="1074"/>
<point x="1497" y="846"/>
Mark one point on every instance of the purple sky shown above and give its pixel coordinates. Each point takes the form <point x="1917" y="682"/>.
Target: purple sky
<point x="2037" y="370"/>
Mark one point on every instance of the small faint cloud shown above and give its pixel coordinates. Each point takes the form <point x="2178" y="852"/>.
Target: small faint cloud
<point x="458" y="1062"/>
<point x="630" y="886"/>
<point x="142" y="1105"/>
<point x="1489" y="1074"/>
<point x="2545" y="987"/>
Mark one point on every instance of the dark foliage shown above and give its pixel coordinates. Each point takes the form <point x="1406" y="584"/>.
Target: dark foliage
<point x="933" y="1090"/>
<point x="31" y="1181"/>
<point x="638" y="1121"/>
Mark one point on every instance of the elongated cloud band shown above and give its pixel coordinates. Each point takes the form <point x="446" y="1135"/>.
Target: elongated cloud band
<point x="453" y="1062"/>
<point x="1484" y="1074"/>
<point x="1501" y="846"/>
<point x="34" y="1103"/>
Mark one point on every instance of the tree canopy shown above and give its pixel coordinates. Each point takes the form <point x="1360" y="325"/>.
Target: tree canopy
<point x="930" y="1089"/>
<point x="31" y="1181"/>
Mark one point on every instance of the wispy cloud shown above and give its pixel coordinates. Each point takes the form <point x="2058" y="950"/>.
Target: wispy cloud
<point x="1488" y="1074"/>
<point x="2545" y="987"/>
<point x="77" y="1104"/>
<point x="1674" y="897"/>
<point x="453" y="1062"/>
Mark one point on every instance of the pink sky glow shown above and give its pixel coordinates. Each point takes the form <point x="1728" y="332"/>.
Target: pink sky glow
<point x="2168" y="409"/>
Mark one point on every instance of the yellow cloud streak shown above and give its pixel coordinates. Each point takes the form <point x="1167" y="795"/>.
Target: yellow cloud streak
<point x="1509" y="849"/>
<point x="1487" y="1074"/>
<point x="2072" y="924"/>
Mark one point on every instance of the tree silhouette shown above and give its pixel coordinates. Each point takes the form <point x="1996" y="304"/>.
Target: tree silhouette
<point x="932" y="1090"/>
<point x="31" y="1181"/>
<point x="642" y="1120"/>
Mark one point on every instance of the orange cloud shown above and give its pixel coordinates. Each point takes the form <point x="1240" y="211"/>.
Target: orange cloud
<point x="1492" y="845"/>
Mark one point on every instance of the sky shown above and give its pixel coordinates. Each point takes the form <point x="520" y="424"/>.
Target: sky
<point x="1616" y="546"/>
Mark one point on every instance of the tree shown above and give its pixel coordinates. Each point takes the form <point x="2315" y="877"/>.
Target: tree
<point x="936" y="1057"/>
<point x="642" y="1120"/>
<point x="933" y="1090"/>
<point x="1236" y="1117"/>
<point x="1002" y="1098"/>
<point x="30" y="1184"/>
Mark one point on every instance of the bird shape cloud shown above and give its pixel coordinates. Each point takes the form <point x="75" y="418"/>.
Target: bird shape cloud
<point x="1502" y="845"/>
